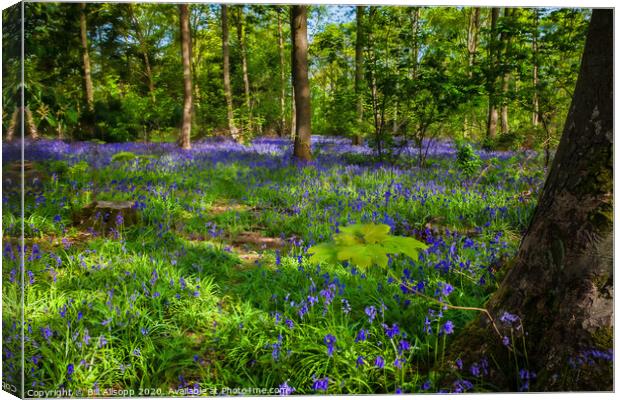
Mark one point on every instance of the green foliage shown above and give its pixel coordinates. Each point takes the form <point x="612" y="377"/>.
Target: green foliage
<point x="123" y="156"/>
<point x="79" y="169"/>
<point x="467" y="160"/>
<point x="365" y="245"/>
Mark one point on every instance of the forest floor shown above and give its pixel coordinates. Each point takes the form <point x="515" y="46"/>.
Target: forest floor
<point x="212" y="288"/>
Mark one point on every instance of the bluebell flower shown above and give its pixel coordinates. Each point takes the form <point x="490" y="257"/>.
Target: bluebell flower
<point x="448" y="328"/>
<point x="321" y="384"/>
<point x="329" y="340"/>
<point x="361" y="335"/>
<point x="403" y="346"/>
<point x="379" y="362"/>
<point x="391" y="332"/>
<point x="360" y="361"/>
<point x="371" y="311"/>
<point x="285" y="389"/>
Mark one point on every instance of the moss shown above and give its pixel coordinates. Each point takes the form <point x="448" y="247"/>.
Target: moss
<point x="603" y="338"/>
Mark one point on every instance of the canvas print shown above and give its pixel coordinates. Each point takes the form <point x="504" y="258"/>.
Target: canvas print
<point x="250" y="199"/>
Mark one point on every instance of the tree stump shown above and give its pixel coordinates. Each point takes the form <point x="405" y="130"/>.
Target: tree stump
<point x="106" y="217"/>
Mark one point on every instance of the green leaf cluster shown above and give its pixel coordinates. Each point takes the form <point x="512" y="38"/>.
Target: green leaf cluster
<point x="365" y="245"/>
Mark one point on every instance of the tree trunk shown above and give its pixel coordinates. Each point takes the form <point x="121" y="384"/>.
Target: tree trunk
<point x="244" y="64"/>
<point x="505" y="40"/>
<point x="561" y="283"/>
<point x="282" y="75"/>
<point x="535" y="106"/>
<point x="414" y="16"/>
<point x="359" y="73"/>
<point x="32" y="127"/>
<point x="234" y="132"/>
<point x="88" y="83"/>
<point x="300" y="82"/>
<point x="10" y="133"/>
<point x="492" y="76"/>
<point x="472" y="46"/>
<point x="186" y="127"/>
<point x="472" y="39"/>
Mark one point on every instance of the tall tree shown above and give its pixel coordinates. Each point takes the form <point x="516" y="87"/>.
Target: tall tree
<point x="535" y="105"/>
<point x="186" y="51"/>
<point x="505" y="39"/>
<point x="299" y="36"/>
<point x="472" y="38"/>
<point x="244" y="63"/>
<point x="359" y="72"/>
<point x="560" y="286"/>
<point x="492" y="75"/>
<point x="88" y="83"/>
<point x="282" y="73"/>
<point x="234" y="132"/>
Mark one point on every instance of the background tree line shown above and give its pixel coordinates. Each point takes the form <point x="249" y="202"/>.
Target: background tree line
<point x="116" y="72"/>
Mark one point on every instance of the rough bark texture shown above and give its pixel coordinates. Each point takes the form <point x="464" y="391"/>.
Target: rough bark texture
<point x="186" y="51"/>
<point x="492" y="77"/>
<point x="234" y="132"/>
<point x="300" y="82"/>
<point x="88" y="83"/>
<point x="359" y="71"/>
<point x="282" y="75"/>
<point x="561" y="282"/>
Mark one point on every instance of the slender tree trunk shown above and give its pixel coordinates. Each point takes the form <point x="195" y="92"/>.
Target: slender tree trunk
<point x="187" y="77"/>
<point x="32" y="127"/>
<point x="492" y="76"/>
<point x="359" y="73"/>
<point x="472" y="46"/>
<point x="293" y="113"/>
<point x="282" y="75"/>
<point x="88" y="83"/>
<point x="10" y="133"/>
<point x="299" y="20"/>
<point x="535" y="106"/>
<point x="244" y="64"/>
<point x="414" y="16"/>
<point x="505" y="40"/>
<point x="234" y="132"/>
<point x="560" y="286"/>
<point x="472" y="39"/>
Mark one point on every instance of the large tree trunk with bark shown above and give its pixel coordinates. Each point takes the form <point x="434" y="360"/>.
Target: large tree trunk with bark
<point x="560" y="286"/>
<point x="88" y="83"/>
<point x="359" y="72"/>
<point x="492" y="76"/>
<point x="186" y="127"/>
<point x="299" y="35"/>
<point x="234" y="132"/>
